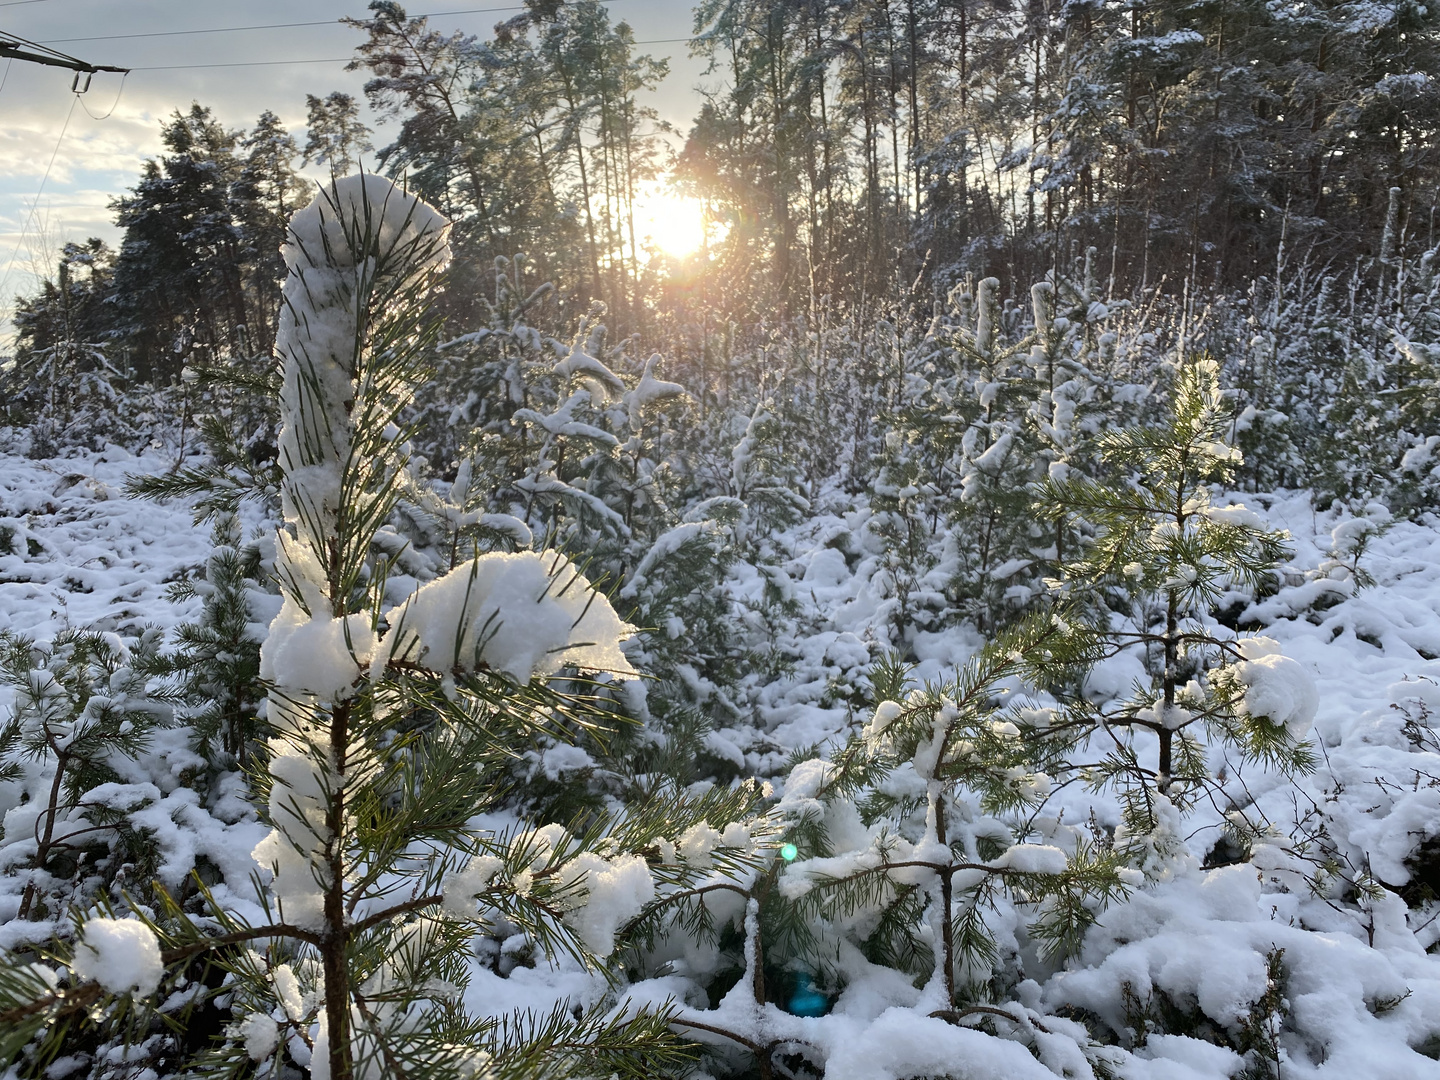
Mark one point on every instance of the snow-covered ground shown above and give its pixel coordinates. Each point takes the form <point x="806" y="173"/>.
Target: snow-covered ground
<point x="82" y="555"/>
<point x="1354" y="966"/>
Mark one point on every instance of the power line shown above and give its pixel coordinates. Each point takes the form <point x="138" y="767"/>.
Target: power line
<point x="213" y="30"/>
<point x="330" y="59"/>
<point x="249" y="63"/>
<point x="181" y="33"/>
<point x="278" y="26"/>
<point x="34" y="206"/>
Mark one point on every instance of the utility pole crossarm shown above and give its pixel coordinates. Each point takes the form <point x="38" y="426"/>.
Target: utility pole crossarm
<point x="15" y="48"/>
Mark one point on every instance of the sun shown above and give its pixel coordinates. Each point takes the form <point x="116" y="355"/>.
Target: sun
<point x="676" y="224"/>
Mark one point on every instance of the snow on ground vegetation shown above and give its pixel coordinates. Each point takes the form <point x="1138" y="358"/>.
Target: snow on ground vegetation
<point x="1320" y="949"/>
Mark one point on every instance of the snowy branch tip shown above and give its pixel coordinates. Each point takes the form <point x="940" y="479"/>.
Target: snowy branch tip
<point x="367" y="216"/>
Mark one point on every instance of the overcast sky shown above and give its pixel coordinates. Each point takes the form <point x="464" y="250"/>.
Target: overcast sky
<point x="99" y="158"/>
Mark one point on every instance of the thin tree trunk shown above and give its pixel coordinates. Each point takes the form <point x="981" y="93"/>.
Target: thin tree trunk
<point x="334" y="948"/>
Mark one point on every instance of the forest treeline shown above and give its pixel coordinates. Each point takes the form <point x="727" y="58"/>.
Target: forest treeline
<point x="851" y="153"/>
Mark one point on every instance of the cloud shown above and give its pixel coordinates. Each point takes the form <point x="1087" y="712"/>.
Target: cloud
<point x="27" y="143"/>
<point x="99" y="159"/>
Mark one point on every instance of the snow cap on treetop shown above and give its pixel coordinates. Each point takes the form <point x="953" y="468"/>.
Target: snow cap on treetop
<point x="367" y="214"/>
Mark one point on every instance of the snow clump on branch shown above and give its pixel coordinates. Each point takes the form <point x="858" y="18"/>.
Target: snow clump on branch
<point x="1276" y="688"/>
<point x="122" y="955"/>
<point x="522" y="614"/>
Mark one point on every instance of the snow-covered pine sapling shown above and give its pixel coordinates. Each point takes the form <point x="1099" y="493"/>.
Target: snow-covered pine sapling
<point x="395" y="715"/>
<point x="551" y="434"/>
<point x="217" y="657"/>
<point x="979" y="420"/>
<point x="1161" y="560"/>
<point x="83" y="704"/>
<point x="235" y="423"/>
<point x="765" y="476"/>
<point x="483" y="376"/>
<point x="1350" y="539"/>
<point x="1069" y="351"/>
<point x="907" y="509"/>
<point x="714" y="921"/>
<point x="642" y="474"/>
<point x="691" y="644"/>
<point x="915" y="495"/>
<point x="923" y="838"/>
<point x="392" y="721"/>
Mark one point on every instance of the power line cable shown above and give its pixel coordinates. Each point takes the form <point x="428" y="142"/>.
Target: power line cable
<point x="113" y="105"/>
<point x="248" y="63"/>
<point x="330" y="60"/>
<point x="210" y="30"/>
<point x="283" y="26"/>
<point x="35" y="206"/>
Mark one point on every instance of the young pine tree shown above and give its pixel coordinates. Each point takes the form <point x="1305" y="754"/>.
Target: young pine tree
<point x="217" y="659"/>
<point x="395" y="715"/>
<point x="1162" y="560"/>
<point x="925" y="841"/>
<point x="84" y="708"/>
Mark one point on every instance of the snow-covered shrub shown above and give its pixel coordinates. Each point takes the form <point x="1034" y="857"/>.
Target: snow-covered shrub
<point x="481" y="377"/>
<point x="764" y="473"/>
<point x="1333" y="379"/>
<point x="557" y="435"/>
<point x="982" y="417"/>
<point x="918" y="887"/>
<point x="85" y="708"/>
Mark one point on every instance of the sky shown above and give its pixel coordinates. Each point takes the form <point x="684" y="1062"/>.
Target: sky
<point x="110" y="131"/>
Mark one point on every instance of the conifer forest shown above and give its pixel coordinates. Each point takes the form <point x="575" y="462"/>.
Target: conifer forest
<point x="931" y="572"/>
